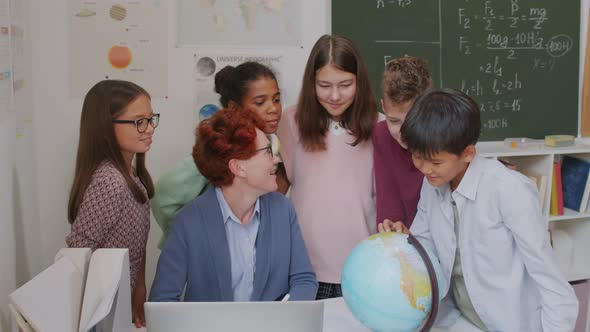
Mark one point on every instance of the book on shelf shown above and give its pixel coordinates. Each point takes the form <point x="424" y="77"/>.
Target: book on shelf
<point x="541" y="182"/>
<point x="554" y="203"/>
<point x="575" y="183"/>
<point x="538" y="179"/>
<point x="559" y="187"/>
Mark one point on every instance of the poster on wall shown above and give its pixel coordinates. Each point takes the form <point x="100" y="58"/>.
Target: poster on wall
<point x="17" y="35"/>
<point x="5" y="60"/>
<point x="18" y="70"/>
<point x="118" y="40"/>
<point x="207" y="65"/>
<point x="250" y="23"/>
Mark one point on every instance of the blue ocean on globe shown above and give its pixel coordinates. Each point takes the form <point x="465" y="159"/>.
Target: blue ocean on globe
<point x="207" y="111"/>
<point x="385" y="283"/>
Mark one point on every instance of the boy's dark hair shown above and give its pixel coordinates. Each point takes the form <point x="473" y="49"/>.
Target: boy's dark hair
<point x="443" y="120"/>
<point x="404" y="79"/>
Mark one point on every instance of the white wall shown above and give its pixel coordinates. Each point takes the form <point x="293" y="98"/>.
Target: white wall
<point x="26" y="207"/>
<point x="19" y="228"/>
<point x="7" y="239"/>
<point x="57" y="117"/>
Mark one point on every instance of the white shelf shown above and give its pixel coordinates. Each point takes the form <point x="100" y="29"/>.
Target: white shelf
<point x="499" y="149"/>
<point x="570" y="215"/>
<point x="577" y="275"/>
<point x="539" y="160"/>
<point x="575" y="261"/>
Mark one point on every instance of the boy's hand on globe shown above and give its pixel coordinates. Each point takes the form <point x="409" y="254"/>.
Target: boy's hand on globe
<point x="392" y="226"/>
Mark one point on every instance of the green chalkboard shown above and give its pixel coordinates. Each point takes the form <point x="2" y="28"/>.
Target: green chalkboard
<point x="518" y="58"/>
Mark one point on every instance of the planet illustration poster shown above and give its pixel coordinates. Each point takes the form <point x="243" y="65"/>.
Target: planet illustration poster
<point x="118" y="40"/>
<point x="207" y="65"/>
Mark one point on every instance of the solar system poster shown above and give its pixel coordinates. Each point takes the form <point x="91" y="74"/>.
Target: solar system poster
<point x="207" y="65"/>
<point x="118" y="40"/>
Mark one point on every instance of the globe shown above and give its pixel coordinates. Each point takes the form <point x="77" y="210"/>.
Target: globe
<point x="386" y="284"/>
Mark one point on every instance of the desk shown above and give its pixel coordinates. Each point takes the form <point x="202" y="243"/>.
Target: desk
<point x="337" y="318"/>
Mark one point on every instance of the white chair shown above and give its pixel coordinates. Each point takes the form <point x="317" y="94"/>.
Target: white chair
<point x="51" y="301"/>
<point x="80" y="291"/>
<point x="107" y="296"/>
<point x="21" y="322"/>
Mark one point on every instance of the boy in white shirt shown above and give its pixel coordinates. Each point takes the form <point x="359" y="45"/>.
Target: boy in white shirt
<point x="483" y="221"/>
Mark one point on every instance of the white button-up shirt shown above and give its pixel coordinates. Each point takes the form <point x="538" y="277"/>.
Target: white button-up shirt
<point x="509" y="267"/>
<point x="241" y="240"/>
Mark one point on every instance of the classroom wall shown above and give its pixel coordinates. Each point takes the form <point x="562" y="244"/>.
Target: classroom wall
<point x="26" y="207"/>
<point x="57" y="117"/>
<point x="7" y="235"/>
<point x="19" y="218"/>
<point x="37" y="168"/>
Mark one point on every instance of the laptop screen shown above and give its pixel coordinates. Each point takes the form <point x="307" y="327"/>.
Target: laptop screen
<point x="293" y="316"/>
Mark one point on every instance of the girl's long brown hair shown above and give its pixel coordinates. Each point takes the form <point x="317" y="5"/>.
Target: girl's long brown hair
<point x="312" y="119"/>
<point x="104" y="102"/>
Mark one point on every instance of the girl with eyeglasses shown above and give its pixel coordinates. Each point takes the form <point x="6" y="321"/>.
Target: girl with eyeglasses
<point x="109" y="199"/>
<point x="251" y="86"/>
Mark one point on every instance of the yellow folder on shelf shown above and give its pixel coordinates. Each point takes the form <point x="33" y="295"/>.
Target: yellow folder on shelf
<point x="553" y="209"/>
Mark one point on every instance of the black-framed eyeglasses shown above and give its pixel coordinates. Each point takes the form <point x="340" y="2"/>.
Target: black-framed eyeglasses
<point x="268" y="149"/>
<point x="142" y="124"/>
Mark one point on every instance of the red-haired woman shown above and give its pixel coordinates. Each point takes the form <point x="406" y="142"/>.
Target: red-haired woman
<point x="240" y="240"/>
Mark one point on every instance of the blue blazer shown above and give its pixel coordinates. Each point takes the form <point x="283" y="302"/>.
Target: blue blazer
<point x="196" y="255"/>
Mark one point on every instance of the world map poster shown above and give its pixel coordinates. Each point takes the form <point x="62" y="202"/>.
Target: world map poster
<point x="250" y="23"/>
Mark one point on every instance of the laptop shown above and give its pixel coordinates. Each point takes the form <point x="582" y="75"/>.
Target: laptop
<point x="282" y="316"/>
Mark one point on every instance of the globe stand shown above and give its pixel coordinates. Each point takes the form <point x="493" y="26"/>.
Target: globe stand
<point x="433" y="282"/>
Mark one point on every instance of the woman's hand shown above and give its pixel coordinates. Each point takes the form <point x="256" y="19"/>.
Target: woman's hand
<point x="391" y="226"/>
<point x="137" y="301"/>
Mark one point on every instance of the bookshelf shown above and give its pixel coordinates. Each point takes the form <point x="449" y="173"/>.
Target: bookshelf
<point x="570" y="232"/>
<point x="539" y="160"/>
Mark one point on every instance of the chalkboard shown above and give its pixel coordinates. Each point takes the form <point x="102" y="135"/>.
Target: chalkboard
<point x="518" y="58"/>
